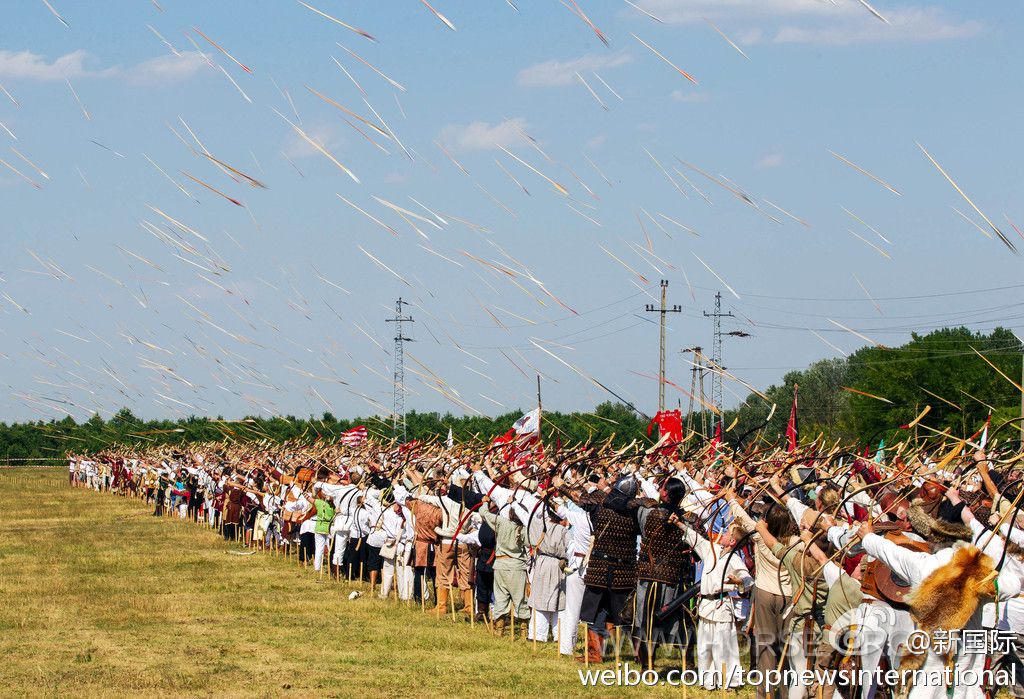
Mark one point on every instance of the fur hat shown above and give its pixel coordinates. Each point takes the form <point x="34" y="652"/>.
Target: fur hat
<point x="933" y="529"/>
<point x="950" y="595"/>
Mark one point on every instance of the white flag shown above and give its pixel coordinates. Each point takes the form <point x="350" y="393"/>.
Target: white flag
<point x="451" y="439"/>
<point x="528" y="424"/>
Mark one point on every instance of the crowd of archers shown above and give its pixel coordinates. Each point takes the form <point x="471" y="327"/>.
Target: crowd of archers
<point x="812" y="558"/>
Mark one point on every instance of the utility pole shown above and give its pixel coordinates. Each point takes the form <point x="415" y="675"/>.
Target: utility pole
<point x="702" y="398"/>
<point x="696" y="381"/>
<point x="398" y="409"/>
<point x="716" y="357"/>
<point x="661" y="354"/>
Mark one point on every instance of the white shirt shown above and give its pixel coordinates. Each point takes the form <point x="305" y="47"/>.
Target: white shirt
<point x="365" y="520"/>
<point x="718" y="565"/>
<point x="580" y="532"/>
<point x="392" y="525"/>
<point x="345" y="503"/>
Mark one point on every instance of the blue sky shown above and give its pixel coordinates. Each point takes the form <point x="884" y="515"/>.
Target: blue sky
<point x="238" y="310"/>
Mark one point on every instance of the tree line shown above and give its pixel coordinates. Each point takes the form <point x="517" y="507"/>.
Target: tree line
<point x="863" y="398"/>
<point x="949" y="370"/>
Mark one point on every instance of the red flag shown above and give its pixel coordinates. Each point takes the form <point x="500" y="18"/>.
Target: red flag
<point x="670" y="429"/>
<point x="523" y="439"/>
<point x="354" y="436"/>
<point x="504" y="438"/>
<point x="717" y="439"/>
<point x="791" y="428"/>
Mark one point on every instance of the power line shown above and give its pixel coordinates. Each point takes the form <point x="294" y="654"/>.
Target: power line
<point x="942" y="294"/>
<point x="921" y="317"/>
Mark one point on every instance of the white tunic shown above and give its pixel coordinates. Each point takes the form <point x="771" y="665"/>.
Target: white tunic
<point x="718" y="565"/>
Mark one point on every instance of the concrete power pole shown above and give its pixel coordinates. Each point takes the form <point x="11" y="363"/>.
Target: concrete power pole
<point x="661" y="354"/>
<point x="398" y="409"/>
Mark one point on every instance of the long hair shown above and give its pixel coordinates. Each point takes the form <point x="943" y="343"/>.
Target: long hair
<point x="675" y="491"/>
<point x="780" y="524"/>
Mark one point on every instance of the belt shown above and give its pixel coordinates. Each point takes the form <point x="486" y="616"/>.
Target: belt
<point x="550" y="555"/>
<point x="580" y="555"/>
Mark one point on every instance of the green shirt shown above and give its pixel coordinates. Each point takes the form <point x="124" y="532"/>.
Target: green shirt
<point x="510" y="544"/>
<point x="324" y="516"/>
<point x="812" y="589"/>
<point x="842" y="597"/>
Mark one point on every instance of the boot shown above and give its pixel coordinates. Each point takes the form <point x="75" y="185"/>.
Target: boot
<point x="442" y="601"/>
<point x="467" y="604"/>
<point x="499" y="625"/>
<point x="592" y="653"/>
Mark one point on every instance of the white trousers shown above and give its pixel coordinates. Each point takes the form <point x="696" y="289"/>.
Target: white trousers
<point x="966" y="662"/>
<point x="320" y="543"/>
<point x="881" y="629"/>
<point x="717" y="646"/>
<point x="569" y="618"/>
<point x="796" y="655"/>
<point x="340" y="544"/>
<point x="408" y="576"/>
<point x="404" y="573"/>
<point x="387" y="576"/>
<point x="540" y="624"/>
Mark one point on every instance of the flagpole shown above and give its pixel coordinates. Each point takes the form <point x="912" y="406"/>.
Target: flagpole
<point x="539" y="435"/>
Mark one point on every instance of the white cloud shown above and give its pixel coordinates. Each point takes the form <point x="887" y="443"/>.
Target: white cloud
<point x="691" y="97"/>
<point x="917" y="24"/>
<point x="481" y="135"/>
<point x="25" y="65"/>
<point x="166" y="69"/>
<point x="817" y="21"/>
<point x="556" y="73"/>
<point x="771" y="160"/>
<point x="596" y="142"/>
<point x="326" y="135"/>
<point x="752" y="35"/>
<point x="692" y="11"/>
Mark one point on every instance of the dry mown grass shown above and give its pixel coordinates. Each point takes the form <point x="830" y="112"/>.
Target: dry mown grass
<point x="100" y="599"/>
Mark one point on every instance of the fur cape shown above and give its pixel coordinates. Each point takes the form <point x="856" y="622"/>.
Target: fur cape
<point x="934" y="529"/>
<point x="949" y="596"/>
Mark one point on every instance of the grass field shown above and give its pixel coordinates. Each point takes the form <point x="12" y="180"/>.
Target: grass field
<point x="101" y="599"/>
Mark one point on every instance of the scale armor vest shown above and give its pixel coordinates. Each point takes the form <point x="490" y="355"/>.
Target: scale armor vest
<point x="663" y="553"/>
<point x="613" y="557"/>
